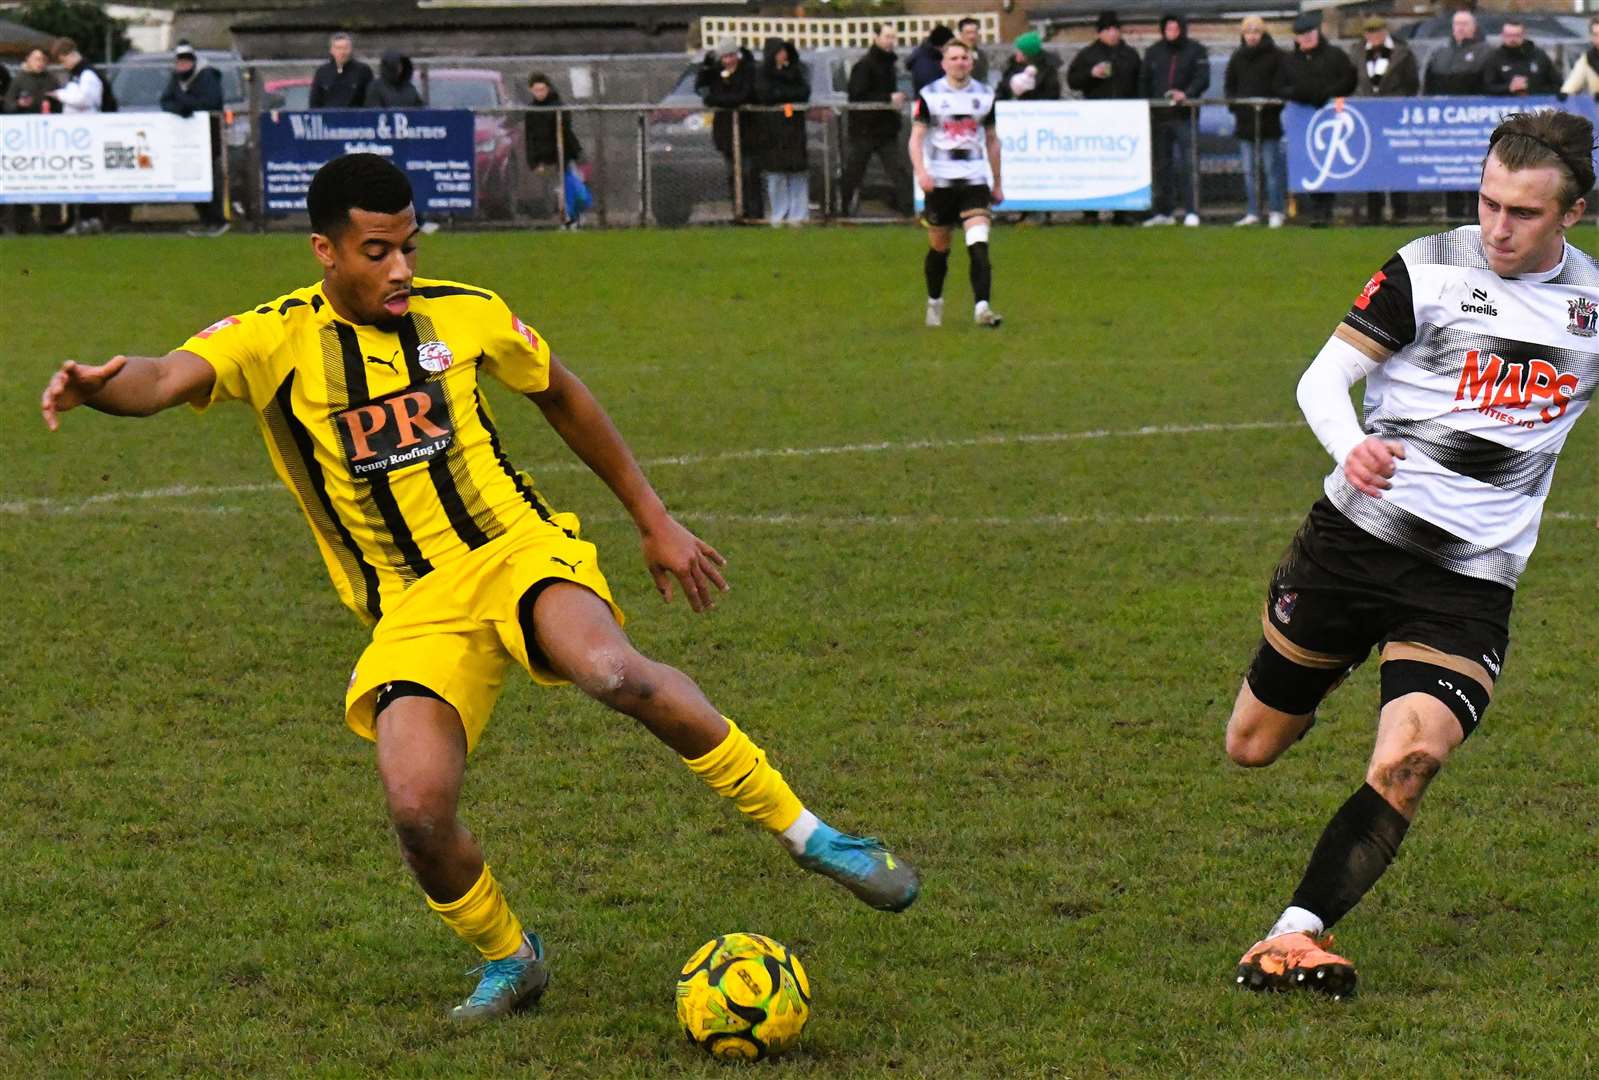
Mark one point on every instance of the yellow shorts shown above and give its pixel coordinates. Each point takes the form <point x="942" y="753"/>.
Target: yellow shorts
<point x="456" y="631"/>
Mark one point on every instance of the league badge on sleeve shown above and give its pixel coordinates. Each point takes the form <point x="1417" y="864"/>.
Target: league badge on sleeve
<point x="220" y="324"/>
<point x="526" y="331"/>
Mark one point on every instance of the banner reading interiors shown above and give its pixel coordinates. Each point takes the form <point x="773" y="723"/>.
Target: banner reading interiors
<point x="433" y="146"/>
<point x="105" y="158"/>
<point x="1074" y="155"/>
<point x="1400" y="144"/>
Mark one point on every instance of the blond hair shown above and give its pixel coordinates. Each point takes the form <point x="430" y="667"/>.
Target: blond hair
<point x="1253" y="22"/>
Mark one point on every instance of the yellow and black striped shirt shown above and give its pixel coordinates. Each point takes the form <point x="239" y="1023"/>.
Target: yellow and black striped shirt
<point x="382" y="433"/>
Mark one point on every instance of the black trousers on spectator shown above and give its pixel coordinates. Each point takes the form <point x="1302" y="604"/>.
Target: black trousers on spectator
<point x="1172" y="142"/>
<point x="754" y="198"/>
<point x="891" y="154"/>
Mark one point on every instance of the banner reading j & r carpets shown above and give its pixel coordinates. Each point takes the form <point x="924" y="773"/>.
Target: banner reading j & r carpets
<point x="1074" y="155"/>
<point x="105" y="158"/>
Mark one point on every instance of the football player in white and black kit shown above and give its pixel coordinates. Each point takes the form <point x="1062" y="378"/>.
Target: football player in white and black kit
<point x="1479" y="352"/>
<point x="953" y="146"/>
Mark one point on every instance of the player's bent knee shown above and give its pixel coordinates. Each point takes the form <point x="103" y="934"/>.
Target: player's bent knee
<point x="618" y="676"/>
<point x="421" y="823"/>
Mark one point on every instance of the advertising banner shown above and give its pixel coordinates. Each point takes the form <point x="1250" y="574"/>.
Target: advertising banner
<point x="1074" y="155"/>
<point x="434" y="147"/>
<point x="1399" y="144"/>
<point x="134" y="157"/>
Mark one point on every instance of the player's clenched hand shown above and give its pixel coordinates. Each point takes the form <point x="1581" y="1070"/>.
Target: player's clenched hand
<point x="671" y="551"/>
<point x="74" y="384"/>
<point x="1371" y="463"/>
<point x="925" y="182"/>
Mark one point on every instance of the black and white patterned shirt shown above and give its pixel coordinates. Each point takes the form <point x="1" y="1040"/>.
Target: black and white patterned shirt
<point x="955" y="150"/>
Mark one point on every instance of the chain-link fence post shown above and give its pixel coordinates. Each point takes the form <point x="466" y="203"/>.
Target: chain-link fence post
<point x="738" y="169"/>
<point x="643" y="171"/>
<point x="1193" y="153"/>
<point x="560" y="167"/>
<point x="255" y="183"/>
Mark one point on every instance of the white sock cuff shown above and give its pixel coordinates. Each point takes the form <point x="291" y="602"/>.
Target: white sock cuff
<point x="1296" y="920"/>
<point x="795" y="836"/>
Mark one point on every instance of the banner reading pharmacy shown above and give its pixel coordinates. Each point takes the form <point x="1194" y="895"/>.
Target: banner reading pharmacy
<point x="105" y="158"/>
<point x="434" y="147"/>
<point x="1400" y="144"/>
<point x="1074" y="155"/>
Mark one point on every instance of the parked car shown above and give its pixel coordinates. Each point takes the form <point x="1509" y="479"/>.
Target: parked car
<point x="452" y="88"/>
<point x="686" y="171"/>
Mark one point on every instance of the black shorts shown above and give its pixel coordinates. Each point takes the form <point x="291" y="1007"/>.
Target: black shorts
<point x="1338" y="591"/>
<point x="947" y="207"/>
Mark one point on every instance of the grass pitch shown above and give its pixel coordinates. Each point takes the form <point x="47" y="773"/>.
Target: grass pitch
<point x="992" y="596"/>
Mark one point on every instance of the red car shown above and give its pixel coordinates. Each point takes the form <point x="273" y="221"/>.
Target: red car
<point x="453" y="88"/>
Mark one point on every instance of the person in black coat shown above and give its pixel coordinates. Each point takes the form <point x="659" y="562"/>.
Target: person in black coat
<point x="393" y="88"/>
<point x="784" y="80"/>
<point x="926" y="61"/>
<point x="1518" y="67"/>
<point x="1176" y="69"/>
<point x="1317" y="73"/>
<point x="1255" y="70"/>
<point x="544" y="157"/>
<point x="1108" y="69"/>
<point x="1384" y="68"/>
<point x="192" y="89"/>
<point x="726" y="83"/>
<point x="874" y="79"/>
<point x="341" y="82"/>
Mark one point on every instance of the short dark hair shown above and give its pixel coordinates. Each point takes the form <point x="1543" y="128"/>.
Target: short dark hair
<point x="1532" y="140"/>
<point x="355" y="182"/>
<point x="62" y="47"/>
<point x="540" y="77"/>
<point x="968" y="21"/>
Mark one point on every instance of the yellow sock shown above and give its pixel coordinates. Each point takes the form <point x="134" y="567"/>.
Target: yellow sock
<point x="738" y="770"/>
<point x="484" y="918"/>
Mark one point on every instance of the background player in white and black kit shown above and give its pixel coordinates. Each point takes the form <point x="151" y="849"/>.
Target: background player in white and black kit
<point x="1480" y="349"/>
<point x="953" y="146"/>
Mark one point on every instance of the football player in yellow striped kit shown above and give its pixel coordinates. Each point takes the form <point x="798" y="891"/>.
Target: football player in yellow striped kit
<point x="366" y="391"/>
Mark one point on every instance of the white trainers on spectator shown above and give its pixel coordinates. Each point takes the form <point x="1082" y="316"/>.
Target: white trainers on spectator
<point x="935" y="312"/>
<point x="1159" y="219"/>
<point x="1274" y="220"/>
<point x="1247" y="219"/>
<point x="983" y="315"/>
<point x="1191" y="221"/>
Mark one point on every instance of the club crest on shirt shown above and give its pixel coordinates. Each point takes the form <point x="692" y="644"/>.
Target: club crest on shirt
<point x="1584" y="315"/>
<point x="434" y="356"/>
<point x="1283" y="609"/>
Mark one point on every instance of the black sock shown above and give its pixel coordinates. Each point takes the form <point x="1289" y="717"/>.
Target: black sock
<point x="934" y="267"/>
<point x="982" y="271"/>
<point x="1356" y="847"/>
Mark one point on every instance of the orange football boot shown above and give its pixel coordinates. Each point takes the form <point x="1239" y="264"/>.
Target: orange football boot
<point x="1297" y="961"/>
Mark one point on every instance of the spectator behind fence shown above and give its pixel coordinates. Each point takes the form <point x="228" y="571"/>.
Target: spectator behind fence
<point x="5" y="81"/>
<point x="874" y="80"/>
<point x="1258" y="69"/>
<point x="784" y="80"/>
<point x="1032" y="74"/>
<point x="30" y="92"/>
<point x="926" y="61"/>
<point x="340" y="83"/>
<point x="1584" y="77"/>
<point x="1317" y="73"/>
<point x="32" y="86"/>
<point x="970" y="32"/>
<point x="726" y="81"/>
<point x="543" y="156"/>
<point x="83" y="92"/>
<point x="1106" y="70"/>
<point x="1456" y="71"/>
<point x="1176" y="68"/>
<point x="1518" y="67"/>
<point x="192" y="88"/>
<point x="1384" y="68"/>
<point x="393" y="88"/>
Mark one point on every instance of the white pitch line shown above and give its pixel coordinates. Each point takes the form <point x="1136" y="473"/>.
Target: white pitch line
<point x="184" y="491"/>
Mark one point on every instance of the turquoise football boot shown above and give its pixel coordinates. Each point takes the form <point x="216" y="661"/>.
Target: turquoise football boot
<point x="863" y="866"/>
<point x="506" y="985"/>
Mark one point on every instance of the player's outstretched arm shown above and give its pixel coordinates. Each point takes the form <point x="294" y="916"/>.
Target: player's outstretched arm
<point x="670" y="550"/>
<point x="126" y="385"/>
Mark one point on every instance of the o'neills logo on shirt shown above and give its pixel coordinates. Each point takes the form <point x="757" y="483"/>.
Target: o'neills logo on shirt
<point x="395" y="431"/>
<point x="1492" y="384"/>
